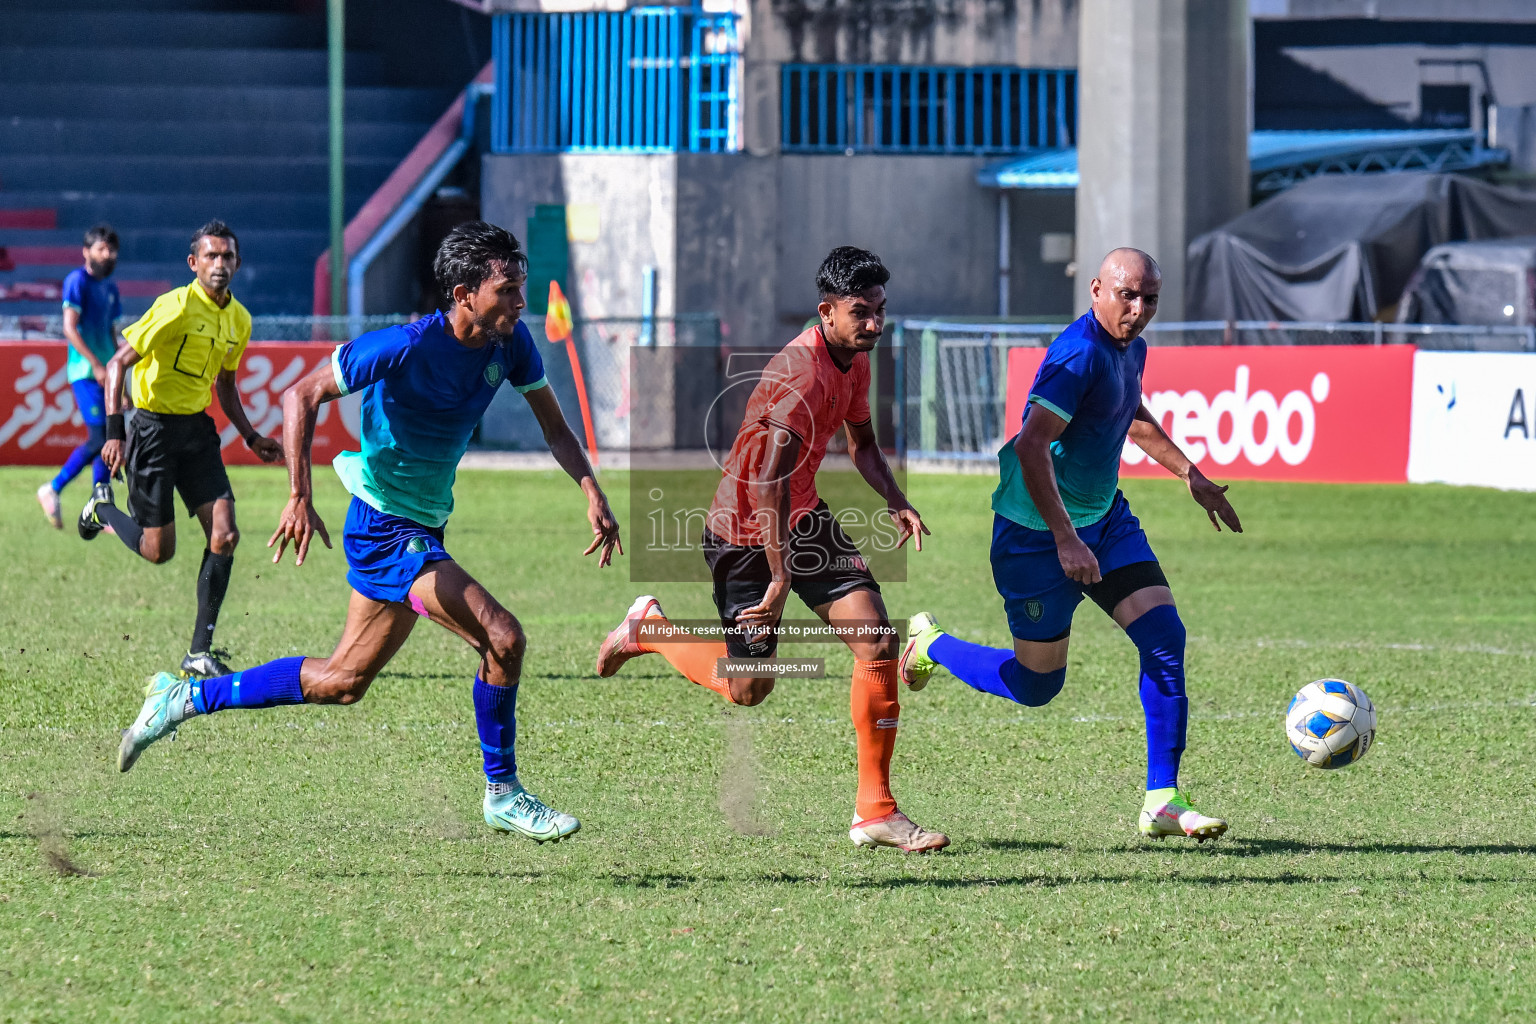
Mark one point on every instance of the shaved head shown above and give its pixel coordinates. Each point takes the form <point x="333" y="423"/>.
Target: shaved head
<point x="1125" y="293"/>
<point x="1126" y="260"/>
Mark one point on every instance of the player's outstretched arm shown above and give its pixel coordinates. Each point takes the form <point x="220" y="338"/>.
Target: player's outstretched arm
<point x="224" y="386"/>
<point x="573" y="459"/>
<point x="299" y="521"/>
<point x="869" y="460"/>
<point x="1152" y="439"/>
<point x="117" y="371"/>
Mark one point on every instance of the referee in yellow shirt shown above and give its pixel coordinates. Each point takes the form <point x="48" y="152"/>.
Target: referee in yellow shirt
<point x="187" y="348"/>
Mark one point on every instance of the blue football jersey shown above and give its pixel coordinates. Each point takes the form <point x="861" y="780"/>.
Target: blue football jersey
<point x="1090" y="382"/>
<point x="422" y="394"/>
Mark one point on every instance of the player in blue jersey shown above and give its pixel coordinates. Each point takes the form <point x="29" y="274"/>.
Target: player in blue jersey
<point x="91" y="309"/>
<point x="1063" y="529"/>
<point x="424" y="388"/>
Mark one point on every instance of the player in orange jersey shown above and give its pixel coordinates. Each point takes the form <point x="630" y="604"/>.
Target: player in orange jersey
<point x="770" y="534"/>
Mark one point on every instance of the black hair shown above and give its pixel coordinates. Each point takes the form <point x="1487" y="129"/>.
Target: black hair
<point x="473" y="252"/>
<point x="215" y="229"/>
<point x="101" y="233"/>
<point x="848" y="270"/>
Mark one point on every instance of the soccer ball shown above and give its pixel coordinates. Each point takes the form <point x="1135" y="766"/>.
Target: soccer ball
<point x="1330" y="723"/>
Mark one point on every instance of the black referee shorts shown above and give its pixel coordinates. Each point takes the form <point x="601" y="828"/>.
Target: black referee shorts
<point x="824" y="565"/>
<point x="166" y="452"/>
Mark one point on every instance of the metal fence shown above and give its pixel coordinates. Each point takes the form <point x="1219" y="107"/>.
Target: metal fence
<point x="648" y="80"/>
<point x="952" y="376"/>
<point x="603" y="348"/>
<point x="893" y="108"/>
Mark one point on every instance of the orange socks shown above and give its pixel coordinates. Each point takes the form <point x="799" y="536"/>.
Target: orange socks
<point x="875" y="713"/>
<point x="695" y="660"/>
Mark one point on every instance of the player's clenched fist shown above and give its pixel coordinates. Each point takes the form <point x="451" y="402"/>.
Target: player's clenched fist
<point x="1078" y="561"/>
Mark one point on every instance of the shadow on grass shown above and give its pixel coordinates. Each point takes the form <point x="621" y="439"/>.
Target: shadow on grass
<point x="1269" y="847"/>
<point x="1008" y="846"/>
<point x="1212" y="882"/>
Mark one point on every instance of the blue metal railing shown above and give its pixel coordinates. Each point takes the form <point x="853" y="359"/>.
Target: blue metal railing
<point x="894" y="108"/>
<point x="647" y="80"/>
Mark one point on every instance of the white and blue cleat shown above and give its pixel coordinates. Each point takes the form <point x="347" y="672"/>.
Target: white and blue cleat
<point x="165" y="708"/>
<point x="521" y="813"/>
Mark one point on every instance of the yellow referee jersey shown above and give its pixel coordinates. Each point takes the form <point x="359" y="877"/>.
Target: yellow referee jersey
<point x="183" y="342"/>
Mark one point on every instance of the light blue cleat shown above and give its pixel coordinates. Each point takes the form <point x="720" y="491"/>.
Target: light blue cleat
<point x="520" y="812"/>
<point x="165" y="705"/>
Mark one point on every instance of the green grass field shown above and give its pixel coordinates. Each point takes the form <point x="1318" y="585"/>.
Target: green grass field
<point x="330" y="863"/>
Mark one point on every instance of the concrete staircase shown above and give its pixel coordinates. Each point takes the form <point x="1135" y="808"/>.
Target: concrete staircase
<point x="161" y="114"/>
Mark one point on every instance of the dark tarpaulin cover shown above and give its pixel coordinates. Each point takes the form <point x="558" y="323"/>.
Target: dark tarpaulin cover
<point x="1473" y="283"/>
<point x="1342" y="247"/>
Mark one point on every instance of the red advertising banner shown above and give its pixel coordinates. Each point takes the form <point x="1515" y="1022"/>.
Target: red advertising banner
<point x="39" y="423"/>
<point x="1337" y="413"/>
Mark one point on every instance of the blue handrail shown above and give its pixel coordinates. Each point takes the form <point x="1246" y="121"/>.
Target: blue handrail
<point x="897" y="108"/>
<point x="357" y="270"/>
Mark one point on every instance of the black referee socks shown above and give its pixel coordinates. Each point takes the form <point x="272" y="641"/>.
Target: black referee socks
<point x="212" y="584"/>
<point x="128" y="531"/>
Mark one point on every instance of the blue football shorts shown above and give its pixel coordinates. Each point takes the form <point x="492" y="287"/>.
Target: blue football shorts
<point x="91" y="400"/>
<point x="386" y="553"/>
<point x="1038" y="596"/>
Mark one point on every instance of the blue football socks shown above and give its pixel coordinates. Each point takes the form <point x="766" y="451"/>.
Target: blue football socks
<point x="1159" y="637"/>
<point x="264" y="686"/>
<point x="95" y="438"/>
<point x="996" y="671"/>
<point x="496" y="721"/>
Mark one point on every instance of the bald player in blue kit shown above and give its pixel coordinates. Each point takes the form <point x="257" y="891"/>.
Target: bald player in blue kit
<point x="1062" y="530"/>
<point x="424" y="387"/>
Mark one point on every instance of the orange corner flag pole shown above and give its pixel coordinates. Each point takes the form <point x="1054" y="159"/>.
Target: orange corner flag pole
<point x="558" y="326"/>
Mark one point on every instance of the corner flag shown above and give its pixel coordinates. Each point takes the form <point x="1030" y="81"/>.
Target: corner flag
<point x="558" y="326"/>
<point x="557" y="318"/>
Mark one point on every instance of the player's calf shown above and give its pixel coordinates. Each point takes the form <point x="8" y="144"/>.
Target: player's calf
<point x="330" y="683"/>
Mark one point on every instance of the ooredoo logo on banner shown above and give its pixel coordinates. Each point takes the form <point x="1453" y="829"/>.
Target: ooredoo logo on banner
<point x="39" y="424"/>
<point x="1474" y="419"/>
<point x="1307" y="412"/>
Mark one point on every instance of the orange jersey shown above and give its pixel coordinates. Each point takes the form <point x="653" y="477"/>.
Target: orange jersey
<point x="803" y="391"/>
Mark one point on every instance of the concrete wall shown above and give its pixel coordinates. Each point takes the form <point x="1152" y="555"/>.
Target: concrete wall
<point x="1030" y="33"/>
<point x="1163" y="130"/>
<point x="934" y="227"/>
<point x="635" y="197"/>
<point x="742" y="236"/>
<point x="728" y="242"/>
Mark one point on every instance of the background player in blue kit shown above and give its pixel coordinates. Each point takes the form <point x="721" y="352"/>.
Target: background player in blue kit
<point x="1063" y="529"/>
<point x="91" y="309"/>
<point x="424" y="388"/>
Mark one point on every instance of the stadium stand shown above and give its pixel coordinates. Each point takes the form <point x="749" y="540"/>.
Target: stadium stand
<point x="158" y="115"/>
